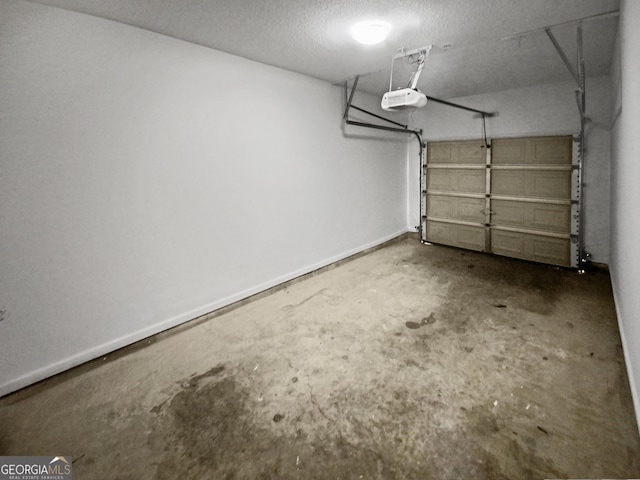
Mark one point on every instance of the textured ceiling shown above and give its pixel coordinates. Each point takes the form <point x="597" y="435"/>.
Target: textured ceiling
<point x="312" y="37"/>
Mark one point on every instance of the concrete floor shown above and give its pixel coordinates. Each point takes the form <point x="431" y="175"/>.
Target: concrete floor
<point x="409" y="362"/>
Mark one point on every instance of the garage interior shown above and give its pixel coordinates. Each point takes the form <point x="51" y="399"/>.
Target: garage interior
<point x="221" y="258"/>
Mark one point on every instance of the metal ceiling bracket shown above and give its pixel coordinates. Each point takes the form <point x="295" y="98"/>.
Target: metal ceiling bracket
<point x="563" y="55"/>
<point x="610" y="14"/>
<point x="422" y="53"/>
<point x="350" y="99"/>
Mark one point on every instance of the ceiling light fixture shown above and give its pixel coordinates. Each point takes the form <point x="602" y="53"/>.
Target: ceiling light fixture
<point x="370" y="33"/>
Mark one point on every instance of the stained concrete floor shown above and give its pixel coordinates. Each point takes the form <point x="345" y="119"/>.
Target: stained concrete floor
<point x="409" y="362"/>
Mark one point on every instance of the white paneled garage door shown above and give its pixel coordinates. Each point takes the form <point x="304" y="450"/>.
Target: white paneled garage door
<point x="512" y="199"/>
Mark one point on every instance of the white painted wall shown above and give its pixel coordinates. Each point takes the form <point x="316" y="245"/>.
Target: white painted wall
<point x="541" y="110"/>
<point x="625" y="191"/>
<point x="145" y="181"/>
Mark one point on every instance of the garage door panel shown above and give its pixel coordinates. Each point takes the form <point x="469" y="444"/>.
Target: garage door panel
<point x="554" y="251"/>
<point x="555" y="218"/>
<point x="441" y="180"/>
<point x="471" y="209"/>
<point x="551" y="151"/>
<point x="456" y="180"/>
<point x="449" y="207"/>
<point x="472" y="181"/>
<point x="508" y="213"/>
<point x="510" y="244"/>
<point x="532" y="151"/>
<point x="554" y="184"/>
<point x="535" y="216"/>
<point x="441" y="152"/>
<point x="469" y="151"/>
<point x="536" y="183"/>
<point x="463" y="236"/>
<point x="514" y="202"/>
<point x="508" y="182"/>
<point x="509" y="152"/>
<point x="472" y="152"/>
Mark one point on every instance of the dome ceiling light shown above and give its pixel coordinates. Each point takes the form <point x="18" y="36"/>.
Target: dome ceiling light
<point x="370" y="33"/>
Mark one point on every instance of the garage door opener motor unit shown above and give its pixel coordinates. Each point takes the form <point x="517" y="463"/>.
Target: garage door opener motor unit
<point x="409" y="96"/>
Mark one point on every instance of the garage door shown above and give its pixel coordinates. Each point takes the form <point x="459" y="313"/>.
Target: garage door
<point x="512" y="199"/>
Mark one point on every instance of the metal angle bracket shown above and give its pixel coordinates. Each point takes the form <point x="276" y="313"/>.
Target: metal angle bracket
<point x="563" y="55"/>
<point x="416" y="51"/>
<point x="422" y="53"/>
<point x="578" y="73"/>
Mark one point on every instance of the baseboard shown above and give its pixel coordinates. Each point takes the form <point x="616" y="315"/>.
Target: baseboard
<point x="121" y="346"/>
<point x="635" y="394"/>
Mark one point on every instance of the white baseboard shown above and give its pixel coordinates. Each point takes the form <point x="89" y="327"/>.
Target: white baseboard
<point x="635" y="394"/>
<point x="108" y="347"/>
